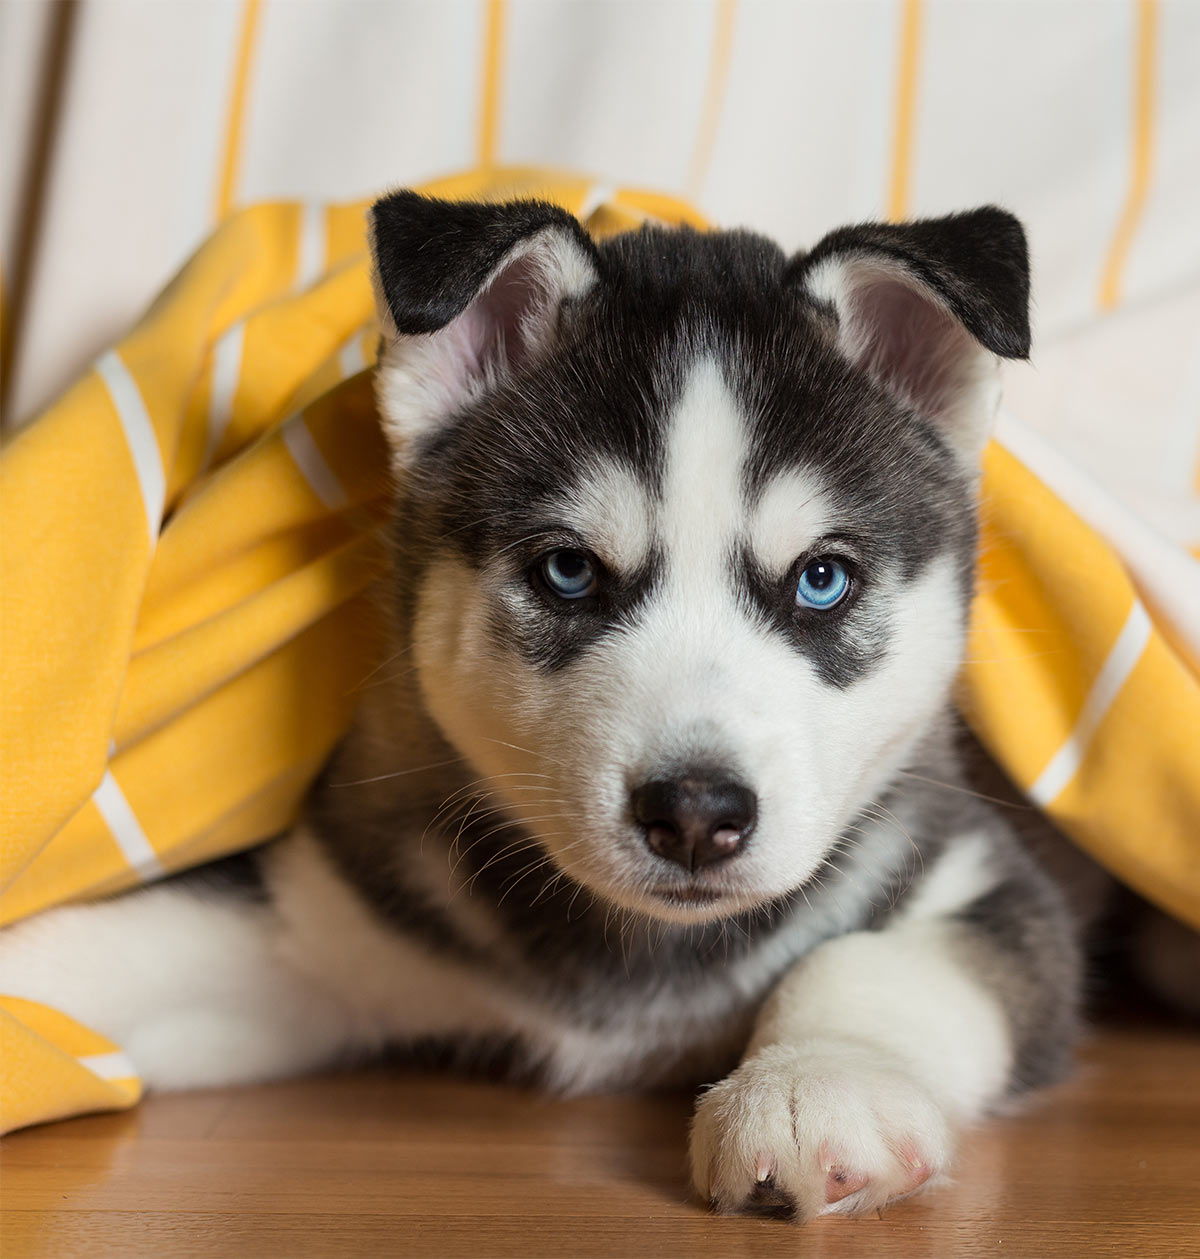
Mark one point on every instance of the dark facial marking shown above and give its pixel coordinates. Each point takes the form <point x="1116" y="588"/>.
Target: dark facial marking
<point x="551" y="632"/>
<point x="844" y="643"/>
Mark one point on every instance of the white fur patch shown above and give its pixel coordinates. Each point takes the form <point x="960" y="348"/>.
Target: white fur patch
<point x="611" y="512"/>
<point x="866" y="1059"/>
<point x="191" y="988"/>
<point x="703" y="510"/>
<point x="963" y="873"/>
<point x="791" y="515"/>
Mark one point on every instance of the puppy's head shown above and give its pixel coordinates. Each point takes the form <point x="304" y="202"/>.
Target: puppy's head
<point x="687" y="526"/>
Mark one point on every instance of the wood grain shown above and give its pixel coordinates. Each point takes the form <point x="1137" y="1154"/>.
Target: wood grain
<point x="405" y="1164"/>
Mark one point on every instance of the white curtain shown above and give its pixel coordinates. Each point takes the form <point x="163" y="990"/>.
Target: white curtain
<point x="131" y="126"/>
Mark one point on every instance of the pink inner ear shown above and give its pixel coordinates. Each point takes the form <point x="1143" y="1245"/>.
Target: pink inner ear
<point x="425" y="378"/>
<point x="910" y="343"/>
<point x="499" y="328"/>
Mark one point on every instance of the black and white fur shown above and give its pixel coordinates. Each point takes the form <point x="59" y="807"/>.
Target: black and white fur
<point x="878" y="963"/>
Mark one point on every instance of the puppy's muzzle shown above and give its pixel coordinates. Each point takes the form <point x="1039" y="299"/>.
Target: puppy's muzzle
<point x="695" y="820"/>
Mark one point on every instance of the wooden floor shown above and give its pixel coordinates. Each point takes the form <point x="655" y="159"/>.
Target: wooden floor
<point x="402" y="1164"/>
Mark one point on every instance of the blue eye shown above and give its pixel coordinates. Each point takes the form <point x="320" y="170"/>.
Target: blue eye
<point x="568" y="574"/>
<point x="822" y="584"/>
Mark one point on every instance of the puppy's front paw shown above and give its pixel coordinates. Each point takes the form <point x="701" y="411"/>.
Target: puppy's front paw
<point x="816" y="1129"/>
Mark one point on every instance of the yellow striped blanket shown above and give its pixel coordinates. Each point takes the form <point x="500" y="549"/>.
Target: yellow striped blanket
<point x="186" y="540"/>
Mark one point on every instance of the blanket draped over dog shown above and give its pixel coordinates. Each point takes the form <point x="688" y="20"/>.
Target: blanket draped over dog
<point x="188" y="537"/>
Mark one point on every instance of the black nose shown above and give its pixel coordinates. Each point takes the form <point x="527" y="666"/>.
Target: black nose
<point x="695" y="820"/>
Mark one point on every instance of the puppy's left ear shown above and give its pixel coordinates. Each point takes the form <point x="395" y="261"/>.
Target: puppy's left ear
<point x="928" y="308"/>
<point x="469" y="293"/>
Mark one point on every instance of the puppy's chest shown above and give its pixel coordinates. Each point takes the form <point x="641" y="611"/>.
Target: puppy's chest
<point x="628" y="1038"/>
<point x="575" y="1020"/>
<point x="575" y="1034"/>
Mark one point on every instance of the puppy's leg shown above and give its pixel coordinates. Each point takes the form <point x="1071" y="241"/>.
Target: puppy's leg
<point x="879" y="1046"/>
<point x="185" y="976"/>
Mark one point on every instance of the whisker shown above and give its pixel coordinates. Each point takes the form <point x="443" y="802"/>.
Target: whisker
<point x="401" y="773"/>
<point x="383" y="664"/>
<point x="967" y="791"/>
<point x="495" y="830"/>
<point x="516" y="747"/>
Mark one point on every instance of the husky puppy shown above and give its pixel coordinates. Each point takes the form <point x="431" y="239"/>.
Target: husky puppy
<point x="661" y="785"/>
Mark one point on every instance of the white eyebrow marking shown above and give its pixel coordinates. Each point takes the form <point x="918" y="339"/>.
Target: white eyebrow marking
<point x="791" y="514"/>
<point x="611" y="511"/>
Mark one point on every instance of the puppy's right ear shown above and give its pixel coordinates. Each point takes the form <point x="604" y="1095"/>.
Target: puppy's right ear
<point x="468" y="294"/>
<point x="928" y="308"/>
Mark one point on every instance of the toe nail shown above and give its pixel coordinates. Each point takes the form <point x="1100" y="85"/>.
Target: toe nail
<point x="919" y="1173"/>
